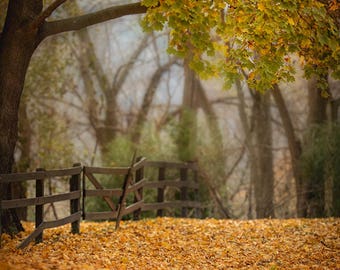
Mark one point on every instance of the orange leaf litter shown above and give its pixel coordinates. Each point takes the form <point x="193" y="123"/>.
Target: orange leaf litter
<point x="175" y="243"/>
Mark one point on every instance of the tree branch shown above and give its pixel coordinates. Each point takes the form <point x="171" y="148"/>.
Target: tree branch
<point x="79" y="22"/>
<point x="47" y="13"/>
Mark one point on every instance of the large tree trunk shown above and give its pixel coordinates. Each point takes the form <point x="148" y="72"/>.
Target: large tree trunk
<point x="17" y="44"/>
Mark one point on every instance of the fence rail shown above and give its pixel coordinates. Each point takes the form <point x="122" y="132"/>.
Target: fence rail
<point x="174" y="204"/>
<point x="78" y="192"/>
<point x="16" y="203"/>
<point x="20" y="177"/>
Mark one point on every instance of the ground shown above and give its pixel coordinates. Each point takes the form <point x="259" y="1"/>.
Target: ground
<point x="173" y="243"/>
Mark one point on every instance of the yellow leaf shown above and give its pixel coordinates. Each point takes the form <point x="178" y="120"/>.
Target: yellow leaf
<point x="291" y="21"/>
<point x="306" y="43"/>
<point x="261" y="6"/>
<point x="125" y="260"/>
<point x="334" y="6"/>
<point x="251" y="76"/>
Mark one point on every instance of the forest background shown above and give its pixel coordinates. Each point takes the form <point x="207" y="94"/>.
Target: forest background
<point x="97" y="94"/>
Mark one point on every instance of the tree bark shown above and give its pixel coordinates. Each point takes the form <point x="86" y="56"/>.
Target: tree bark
<point x="17" y="44"/>
<point x="83" y="21"/>
<point x="264" y="183"/>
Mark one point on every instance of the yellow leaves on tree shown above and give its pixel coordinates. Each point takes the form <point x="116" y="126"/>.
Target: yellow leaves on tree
<point x="169" y="243"/>
<point x="282" y="26"/>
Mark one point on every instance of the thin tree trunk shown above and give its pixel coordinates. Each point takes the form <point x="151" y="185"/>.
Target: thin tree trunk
<point x="247" y="126"/>
<point x="317" y="104"/>
<point x="264" y="183"/>
<point x="214" y="129"/>
<point x="92" y="71"/>
<point x="317" y="115"/>
<point x="295" y="151"/>
<point x="137" y="127"/>
<point x="187" y="136"/>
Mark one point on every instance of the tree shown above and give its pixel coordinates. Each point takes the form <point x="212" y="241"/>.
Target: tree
<point x="258" y="142"/>
<point x="264" y="181"/>
<point x="24" y="29"/>
<point x="295" y="149"/>
<point x="105" y="127"/>
<point x="101" y="96"/>
<point x="310" y="155"/>
<point x="257" y="38"/>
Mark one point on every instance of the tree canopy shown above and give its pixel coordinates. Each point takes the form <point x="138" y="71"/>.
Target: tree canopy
<point x="255" y="39"/>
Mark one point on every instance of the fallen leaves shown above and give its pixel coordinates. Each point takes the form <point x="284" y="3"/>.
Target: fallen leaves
<point x="170" y="243"/>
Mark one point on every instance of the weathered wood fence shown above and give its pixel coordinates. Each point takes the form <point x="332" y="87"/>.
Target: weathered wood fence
<point x="183" y="183"/>
<point x="80" y="178"/>
<point x="74" y="195"/>
<point x="91" y="174"/>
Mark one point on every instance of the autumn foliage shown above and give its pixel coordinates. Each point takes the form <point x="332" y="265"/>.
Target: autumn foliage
<point x="234" y="38"/>
<point x="170" y="243"/>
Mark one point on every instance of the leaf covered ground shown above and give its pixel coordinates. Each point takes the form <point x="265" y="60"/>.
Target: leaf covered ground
<point x="173" y="243"/>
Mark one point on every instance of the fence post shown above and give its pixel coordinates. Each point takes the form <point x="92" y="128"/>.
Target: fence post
<point x="83" y="192"/>
<point x="198" y="211"/>
<point x="160" y="191"/>
<point x="184" y="190"/>
<point x="39" y="209"/>
<point x="75" y="203"/>
<point x="139" y="177"/>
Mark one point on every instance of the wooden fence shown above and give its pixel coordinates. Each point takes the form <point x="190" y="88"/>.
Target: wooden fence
<point x="74" y="195"/>
<point x="183" y="183"/>
<point x="80" y="190"/>
<point x="107" y="194"/>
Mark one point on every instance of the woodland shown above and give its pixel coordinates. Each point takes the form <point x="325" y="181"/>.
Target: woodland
<point x="249" y="90"/>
